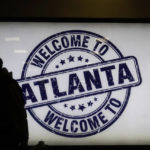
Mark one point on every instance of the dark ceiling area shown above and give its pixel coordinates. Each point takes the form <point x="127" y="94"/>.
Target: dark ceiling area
<point x="83" y="9"/>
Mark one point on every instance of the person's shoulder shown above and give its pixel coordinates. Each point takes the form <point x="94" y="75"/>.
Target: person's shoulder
<point x="5" y="76"/>
<point x="4" y="72"/>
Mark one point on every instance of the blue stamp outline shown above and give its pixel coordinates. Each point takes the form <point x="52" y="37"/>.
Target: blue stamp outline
<point x="128" y="91"/>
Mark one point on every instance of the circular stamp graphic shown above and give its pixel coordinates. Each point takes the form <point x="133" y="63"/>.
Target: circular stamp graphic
<point x="77" y="83"/>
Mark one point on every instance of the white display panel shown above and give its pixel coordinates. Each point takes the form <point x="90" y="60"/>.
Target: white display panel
<point x="98" y="106"/>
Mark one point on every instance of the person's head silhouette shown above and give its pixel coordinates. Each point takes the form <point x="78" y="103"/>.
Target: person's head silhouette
<point x="1" y="63"/>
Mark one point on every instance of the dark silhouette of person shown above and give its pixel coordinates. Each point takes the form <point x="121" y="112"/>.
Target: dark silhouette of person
<point x="13" y="117"/>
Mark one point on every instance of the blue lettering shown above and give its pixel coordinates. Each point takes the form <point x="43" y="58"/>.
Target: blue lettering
<point x="83" y="126"/>
<point x="109" y="74"/>
<point x="73" y="129"/>
<point x="85" y="41"/>
<point x="44" y="54"/>
<point x="56" y="89"/>
<point x="58" y="122"/>
<point x="115" y="102"/>
<point x="41" y="85"/>
<point x="28" y="93"/>
<point x="37" y="61"/>
<point x="50" y="117"/>
<point x="93" y="123"/>
<point x="56" y="47"/>
<point x="102" y="118"/>
<point x="73" y="78"/>
<point x="103" y="50"/>
<point x="76" y="40"/>
<point x="65" y="42"/>
<point x="124" y="73"/>
<point x="95" y="80"/>
<point x="65" y="126"/>
<point x="48" y="49"/>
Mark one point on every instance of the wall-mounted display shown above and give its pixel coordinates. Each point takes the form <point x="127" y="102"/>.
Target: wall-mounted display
<point x="83" y="83"/>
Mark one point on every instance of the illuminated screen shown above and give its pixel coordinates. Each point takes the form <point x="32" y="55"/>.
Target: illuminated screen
<point x="83" y="83"/>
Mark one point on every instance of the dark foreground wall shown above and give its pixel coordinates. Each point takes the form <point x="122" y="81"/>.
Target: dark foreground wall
<point x="76" y="9"/>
